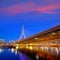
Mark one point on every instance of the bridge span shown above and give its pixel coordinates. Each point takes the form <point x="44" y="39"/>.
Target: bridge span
<point x="47" y="42"/>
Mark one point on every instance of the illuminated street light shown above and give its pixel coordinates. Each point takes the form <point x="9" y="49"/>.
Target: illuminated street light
<point x="53" y="33"/>
<point x="36" y="38"/>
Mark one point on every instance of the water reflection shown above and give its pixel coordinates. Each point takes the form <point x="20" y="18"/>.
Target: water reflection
<point x="12" y="54"/>
<point x="24" y="57"/>
<point x="16" y="52"/>
<point x="1" y="50"/>
<point x="52" y="50"/>
<point x="37" y="57"/>
<point x="12" y="50"/>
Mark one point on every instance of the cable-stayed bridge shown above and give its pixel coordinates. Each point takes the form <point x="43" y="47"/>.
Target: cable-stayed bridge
<point x="47" y="42"/>
<point x="22" y="35"/>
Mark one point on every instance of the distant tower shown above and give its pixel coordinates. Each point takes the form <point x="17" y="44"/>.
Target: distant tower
<point x="22" y="35"/>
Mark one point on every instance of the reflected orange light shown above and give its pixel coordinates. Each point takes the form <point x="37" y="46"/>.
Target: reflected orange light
<point x="31" y="48"/>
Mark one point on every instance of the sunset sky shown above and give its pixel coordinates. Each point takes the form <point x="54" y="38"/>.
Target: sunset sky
<point x="35" y="15"/>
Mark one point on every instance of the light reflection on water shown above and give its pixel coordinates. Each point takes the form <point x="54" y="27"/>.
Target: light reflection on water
<point x="12" y="54"/>
<point x="1" y="50"/>
<point x="53" y="50"/>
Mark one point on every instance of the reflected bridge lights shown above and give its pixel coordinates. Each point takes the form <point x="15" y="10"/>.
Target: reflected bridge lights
<point x="37" y="57"/>
<point x="41" y="48"/>
<point x="46" y="48"/>
<point x="31" y="48"/>
<point x="56" y="49"/>
<point x="1" y="50"/>
<point x="12" y="50"/>
<point x="16" y="52"/>
<point x="51" y="49"/>
<point x="59" y="49"/>
<point x="17" y="47"/>
<point x="27" y="46"/>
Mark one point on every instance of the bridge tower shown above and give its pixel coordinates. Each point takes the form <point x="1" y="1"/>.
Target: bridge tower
<point x="22" y="35"/>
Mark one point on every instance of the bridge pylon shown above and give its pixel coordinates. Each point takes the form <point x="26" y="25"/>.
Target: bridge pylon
<point x="22" y="35"/>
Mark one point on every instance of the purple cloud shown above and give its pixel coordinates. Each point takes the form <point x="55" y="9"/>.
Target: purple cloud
<point x="29" y="7"/>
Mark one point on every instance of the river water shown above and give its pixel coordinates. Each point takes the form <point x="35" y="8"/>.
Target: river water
<point x="12" y="54"/>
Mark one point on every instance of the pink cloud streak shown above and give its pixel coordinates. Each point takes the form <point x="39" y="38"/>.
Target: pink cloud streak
<point x="29" y="7"/>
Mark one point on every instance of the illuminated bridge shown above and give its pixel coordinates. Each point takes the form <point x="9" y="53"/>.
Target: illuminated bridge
<point x="47" y="41"/>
